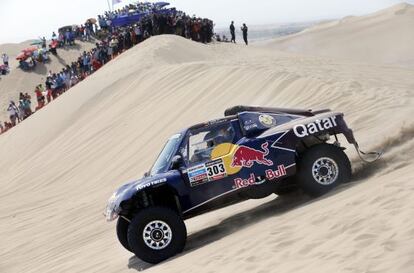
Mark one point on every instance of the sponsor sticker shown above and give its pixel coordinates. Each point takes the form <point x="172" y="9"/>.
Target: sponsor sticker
<point x="252" y="180"/>
<point x="267" y="120"/>
<point x="246" y="156"/>
<point x="250" y="126"/>
<point x="152" y="183"/>
<point x="243" y="183"/>
<point x="275" y="174"/>
<point x="210" y="171"/>
<point x="216" y="170"/>
<point x="197" y="175"/>
<point x="317" y="126"/>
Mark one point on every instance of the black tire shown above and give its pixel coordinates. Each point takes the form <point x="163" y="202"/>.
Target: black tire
<point x="136" y="238"/>
<point x="122" y="233"/>
<point x="331" y="168"/>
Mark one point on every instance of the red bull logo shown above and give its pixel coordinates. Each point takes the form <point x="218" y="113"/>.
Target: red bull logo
<point x="270" y="175"/>
<point x="243" y="183"/>
<point x="246" y="156"/>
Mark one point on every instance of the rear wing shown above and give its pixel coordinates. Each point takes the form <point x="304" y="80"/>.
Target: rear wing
<point x="329" y="122"/>
<point x="241" y="108"/>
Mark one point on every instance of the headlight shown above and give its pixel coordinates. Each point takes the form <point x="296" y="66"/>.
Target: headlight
<point x="110" y="214"/>
<point x="111" y="211"/>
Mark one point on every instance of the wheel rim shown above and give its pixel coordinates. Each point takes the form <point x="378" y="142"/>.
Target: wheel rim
<point x="325" y="171"/>
<point x="157" y="235"/>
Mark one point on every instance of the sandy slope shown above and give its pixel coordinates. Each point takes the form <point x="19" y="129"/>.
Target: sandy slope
<point x="59" y="167"/>
<point x="20" y="81"/>
<point x="382" y="37"/>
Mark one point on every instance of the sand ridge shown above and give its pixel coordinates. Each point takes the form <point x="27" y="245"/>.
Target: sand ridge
<point x="383" y="37"/>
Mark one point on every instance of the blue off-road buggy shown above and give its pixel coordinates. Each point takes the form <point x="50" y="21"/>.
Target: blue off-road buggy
<point x="251" y="153"/>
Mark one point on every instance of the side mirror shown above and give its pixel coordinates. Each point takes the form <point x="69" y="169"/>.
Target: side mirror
<point x="177" y="162"/>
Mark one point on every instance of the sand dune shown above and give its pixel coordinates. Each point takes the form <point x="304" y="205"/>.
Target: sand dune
<point x="382" y="37"/>
<point x="20" y="81"/>
<point x="60" y="166"/>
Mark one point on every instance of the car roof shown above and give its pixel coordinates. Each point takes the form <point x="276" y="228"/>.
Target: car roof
<point x="213" y="122"/>
<point x="242" y="108"/>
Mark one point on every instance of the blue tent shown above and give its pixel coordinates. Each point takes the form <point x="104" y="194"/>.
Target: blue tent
<point x="161" y="4"/>
<point x="126" y="20"/>
<point x="130" y="19"/>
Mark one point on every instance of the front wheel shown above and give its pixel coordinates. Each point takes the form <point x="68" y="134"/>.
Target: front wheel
<point x="322" y="168"/>
<point x="156" y="234"/>
<point x="122" y="233"/>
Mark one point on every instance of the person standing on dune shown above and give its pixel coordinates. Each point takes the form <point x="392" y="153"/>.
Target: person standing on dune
<point x="5" y="59"/>
<point x="233" y="32"/>
<point x="244" y="30"/>
<point x="43" y="42"/>
<point x="13" y="113"/>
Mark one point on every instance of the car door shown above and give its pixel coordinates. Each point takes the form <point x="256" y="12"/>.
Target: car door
<point x="207" y="154"/>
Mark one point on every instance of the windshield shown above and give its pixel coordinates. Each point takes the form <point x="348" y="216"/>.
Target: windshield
<point x="163" y="160"/>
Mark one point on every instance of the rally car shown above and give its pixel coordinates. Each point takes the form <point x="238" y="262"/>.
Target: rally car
<point x="250" y="153"/>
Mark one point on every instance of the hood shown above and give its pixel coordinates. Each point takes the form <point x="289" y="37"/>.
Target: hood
<point x="131" y="188"/>
<point x="148" y="181"/>
<point x="128" y="190"/>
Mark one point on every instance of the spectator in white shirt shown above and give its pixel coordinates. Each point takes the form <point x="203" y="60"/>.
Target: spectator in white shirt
<point x="5" y="59"/>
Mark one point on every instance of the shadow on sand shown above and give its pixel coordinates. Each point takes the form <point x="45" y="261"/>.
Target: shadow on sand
<point x="75" y="46"/>
<point x="233" y="223"/>
<point x="40" y="69"/>
<point x="61" y="61"/>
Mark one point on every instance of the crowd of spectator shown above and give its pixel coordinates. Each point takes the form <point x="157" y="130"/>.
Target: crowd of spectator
<point x="110" y="41"/>
<point x="68" y="34"/>
<point x="156" y="21"/>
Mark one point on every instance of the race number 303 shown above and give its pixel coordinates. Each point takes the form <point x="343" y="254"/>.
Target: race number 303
<point x="216" y="170"/>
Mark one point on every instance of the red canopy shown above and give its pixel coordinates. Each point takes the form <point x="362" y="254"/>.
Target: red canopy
<point x="29" y="51"/>
<point x="22" y="56"/>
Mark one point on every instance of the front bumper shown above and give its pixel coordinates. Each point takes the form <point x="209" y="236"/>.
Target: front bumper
<point x="112" y="210"/>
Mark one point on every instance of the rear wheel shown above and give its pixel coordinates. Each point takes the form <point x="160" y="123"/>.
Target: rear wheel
<point x="156" y="234"/>
<point x="322" y="168"/>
